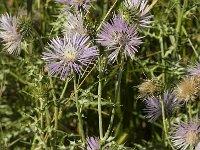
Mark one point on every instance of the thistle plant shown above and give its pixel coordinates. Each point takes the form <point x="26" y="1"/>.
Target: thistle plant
<point x="68" y="55"/>
<point x="10" y="34"/>
<point x="137" y="11"/>
<point x="83" y="65"/>
<point x="154" y="105"/>
<point x="119" y="36"/>
<point x="186" y="135"/>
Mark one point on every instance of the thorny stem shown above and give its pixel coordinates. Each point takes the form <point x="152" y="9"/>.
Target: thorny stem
<point x="117" y="91"/>
<point x="99" y="100"/>
<point x="80" y="123"/>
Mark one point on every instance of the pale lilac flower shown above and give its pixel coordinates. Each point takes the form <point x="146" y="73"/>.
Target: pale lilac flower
<point x="10" y="35"/>
<point x="194" y="71"/>
<point x="186" y="135"/>
<point x="92" y="143"/>
<point x="118" y="36"/>
<point x="68" y="55"/>
<point x="74" y="23"/>
<point x="77" y="3"/>
<point x="154" y="107"/>
<point x="197" y="147"/>
<point x="139" y="11"/>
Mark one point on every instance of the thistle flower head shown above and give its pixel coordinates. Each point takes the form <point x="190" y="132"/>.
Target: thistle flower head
<point x="77" y="3"/>
<point x="10" y="35"/>
<point x="150" y="87"/>
<point x="195" y="71"/>
<point x="119" y="35"/>
<point x="68" y="55"/>
<point x="92" y="143"/>
<point x="137" y="11"/>
<point x="187" y="89"/>
<point x="154" y="106"/>
<point x="74" y="24"/>
<point x="186" y="135"/>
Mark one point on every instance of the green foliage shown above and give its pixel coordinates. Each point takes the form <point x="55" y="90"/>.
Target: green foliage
<point x="29" y="96"/>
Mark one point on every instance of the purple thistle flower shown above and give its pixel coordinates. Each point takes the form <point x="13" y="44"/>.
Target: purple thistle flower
<point x="119" y="35"/>
<point x="194" y="71"/>
<point x="8" y="32"/>
<point x="74" y="24"/>
<point x="139" y="11"/>
<point x="186" y="135"/>
<point x="154" y="107"/>
<point x="68" y="55"/>
<point x="92" y="143"/>
<point x="77" y="3"/>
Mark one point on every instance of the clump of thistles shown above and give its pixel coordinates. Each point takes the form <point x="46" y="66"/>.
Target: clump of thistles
<point x="186" y="135"/>
<point x="154" y="106"/>
<point x="10" y="35"/>
<point x="187" y="89"/>
<point x="137" y="11"/>
<point x="92" y="143"/>
<point x="150" y="87"/>
<point x="67" y="55"/>
<point x="117" y="35"/>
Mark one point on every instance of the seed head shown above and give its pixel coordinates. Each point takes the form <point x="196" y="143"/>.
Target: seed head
<point x="187" y="89"/>
<point x="150" y="87"/>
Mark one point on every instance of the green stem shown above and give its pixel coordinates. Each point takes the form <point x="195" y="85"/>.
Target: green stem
<point x="55" y="106"/>
<point x="165" y="125"/>
<point x="80" y="125"/>
<point x="188" y="104"/>
<point x="99" y="100"/>
<point x="41" y="114"/>
<point x="18" y="78"/>
<point x="117" y="91"/>
<point x="180" y="13"/>
<point x="163" y="56"/>
<point x="64" y="89"/>
<point x="109" y="11"/>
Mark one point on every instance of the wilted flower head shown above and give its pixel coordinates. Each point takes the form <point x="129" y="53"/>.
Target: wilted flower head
<point x="186" y="135"/>
<point x="195" y="71"/>
<point x="150" y="87"/>
<point x="137" y="11"/>
<point x="187" y="89"/>
<point x="74" y="24"/>
<point x="68" y="55"/>
<point x="154" y="106"/>
<point x="119" y="35"/>
<point x="92" y="143"/>
<point x="10" y="35"/>
<point x="77" y="3"/>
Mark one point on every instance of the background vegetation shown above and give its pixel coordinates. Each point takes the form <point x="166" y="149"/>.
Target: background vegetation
<point x="27" y="93"/>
